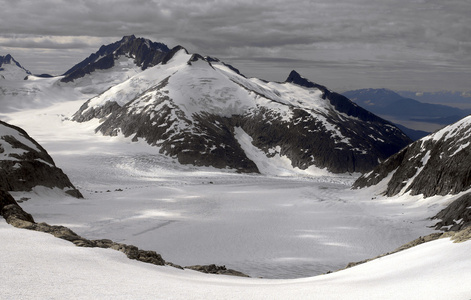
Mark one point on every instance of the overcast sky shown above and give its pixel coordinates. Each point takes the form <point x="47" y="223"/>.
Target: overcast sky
<point x="418" y="45"/>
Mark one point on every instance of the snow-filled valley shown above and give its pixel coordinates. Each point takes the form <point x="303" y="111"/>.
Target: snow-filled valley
<point x="285" y="227"/>
<point x="283" y="224"/>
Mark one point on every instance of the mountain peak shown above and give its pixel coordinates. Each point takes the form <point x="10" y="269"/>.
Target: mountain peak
<point x="144" y="53"/>
<point x="296" y="78"/>
<point x="12" y="68"/>
<point x="128" y="38"/>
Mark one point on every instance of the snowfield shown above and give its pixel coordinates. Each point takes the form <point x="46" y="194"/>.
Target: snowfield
<point x="39" y="266"/>
<point x="286" y="225"/>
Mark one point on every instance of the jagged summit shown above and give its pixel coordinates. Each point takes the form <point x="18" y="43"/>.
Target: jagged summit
<point x="12" y="69"/>
<point x="296" y="78"/>
<point x="143" y="52"/>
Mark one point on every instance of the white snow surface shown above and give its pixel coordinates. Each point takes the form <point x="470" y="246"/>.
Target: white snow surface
<point x="11" y="72"/>
<point x="283" y="224"/>
<point x="39" y="266"/>
<point x="6" y="149"/>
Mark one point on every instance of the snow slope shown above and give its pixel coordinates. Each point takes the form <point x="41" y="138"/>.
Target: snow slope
<point x="283" y="225"/>
<point x="39" y="266"/>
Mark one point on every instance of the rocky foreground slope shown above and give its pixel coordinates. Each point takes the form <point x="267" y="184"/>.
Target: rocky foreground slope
<point x="17" y="217"/>
<point x="24" y="164"/>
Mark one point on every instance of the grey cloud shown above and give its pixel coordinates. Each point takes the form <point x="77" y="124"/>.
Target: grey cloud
<point x="353" y="34"/>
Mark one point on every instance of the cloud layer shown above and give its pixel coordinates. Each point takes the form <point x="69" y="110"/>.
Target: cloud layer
<point x="400" y="44"/>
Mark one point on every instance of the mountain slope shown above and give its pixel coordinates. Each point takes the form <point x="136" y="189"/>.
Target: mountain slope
<point x="192" y="108"/>
<point x="141" y="52"/>
<point x="24" y="164"/>
<point x="435" y="165"/>
<point x="10" y="69"/>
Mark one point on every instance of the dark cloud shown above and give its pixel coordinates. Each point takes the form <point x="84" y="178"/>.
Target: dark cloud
<point x="380" y="40"/>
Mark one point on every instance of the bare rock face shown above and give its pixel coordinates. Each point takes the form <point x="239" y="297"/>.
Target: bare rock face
<point x="24" y="164"/>
<point x="455" y="216"/>
<point x="213" y="269"/>
<point x="11" y="211"/>
<point x="144" y="52"/>
<point x="435" y="165"/>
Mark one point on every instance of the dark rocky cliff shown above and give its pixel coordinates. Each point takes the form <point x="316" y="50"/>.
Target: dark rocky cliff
<point x="435" y="165"/>
<point x="144" y="52"/>
<point x="24" y="164"/>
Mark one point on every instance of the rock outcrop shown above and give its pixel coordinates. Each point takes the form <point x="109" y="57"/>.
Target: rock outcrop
<point x="456" y="216"/>
<point x="213" y="269"/>
<point x="24" y="164"/>
<point x="437" y="164"/>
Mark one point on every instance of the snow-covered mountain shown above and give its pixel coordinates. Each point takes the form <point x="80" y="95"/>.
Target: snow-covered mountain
<point x="438" y="164"/>
<point x="204" y="112"/>
<point x="115" y="62"/>
<point x="10" y="69"/>
<point x="24" y="164"/>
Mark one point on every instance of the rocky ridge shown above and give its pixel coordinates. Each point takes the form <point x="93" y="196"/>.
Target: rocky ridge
<point x="435" y="165"/>
<point x="144" y="53"/>
<point x="456" y="216"/>
<point x="12" y="69"/>
<point x="24" y="164"/>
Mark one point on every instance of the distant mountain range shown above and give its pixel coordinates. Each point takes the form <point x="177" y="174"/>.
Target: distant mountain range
<point x="455" y="99"/>
<point x="405" y="111"/>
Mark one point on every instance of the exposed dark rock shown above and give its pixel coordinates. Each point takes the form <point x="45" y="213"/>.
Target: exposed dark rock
<point x="455" y="216"/>
<point x="435" y="165"/>
<point x="213" y="145"/>
<point x="8" y="59"/>
<point x="28" y="164"/>
<point x="213" y="269"/>
<point x="86" y="113"/>
<point x="144" y="52"/>
<point x="172" y="53"/>
<point x="10" y="210"/>
<point x="307" y="141"/>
